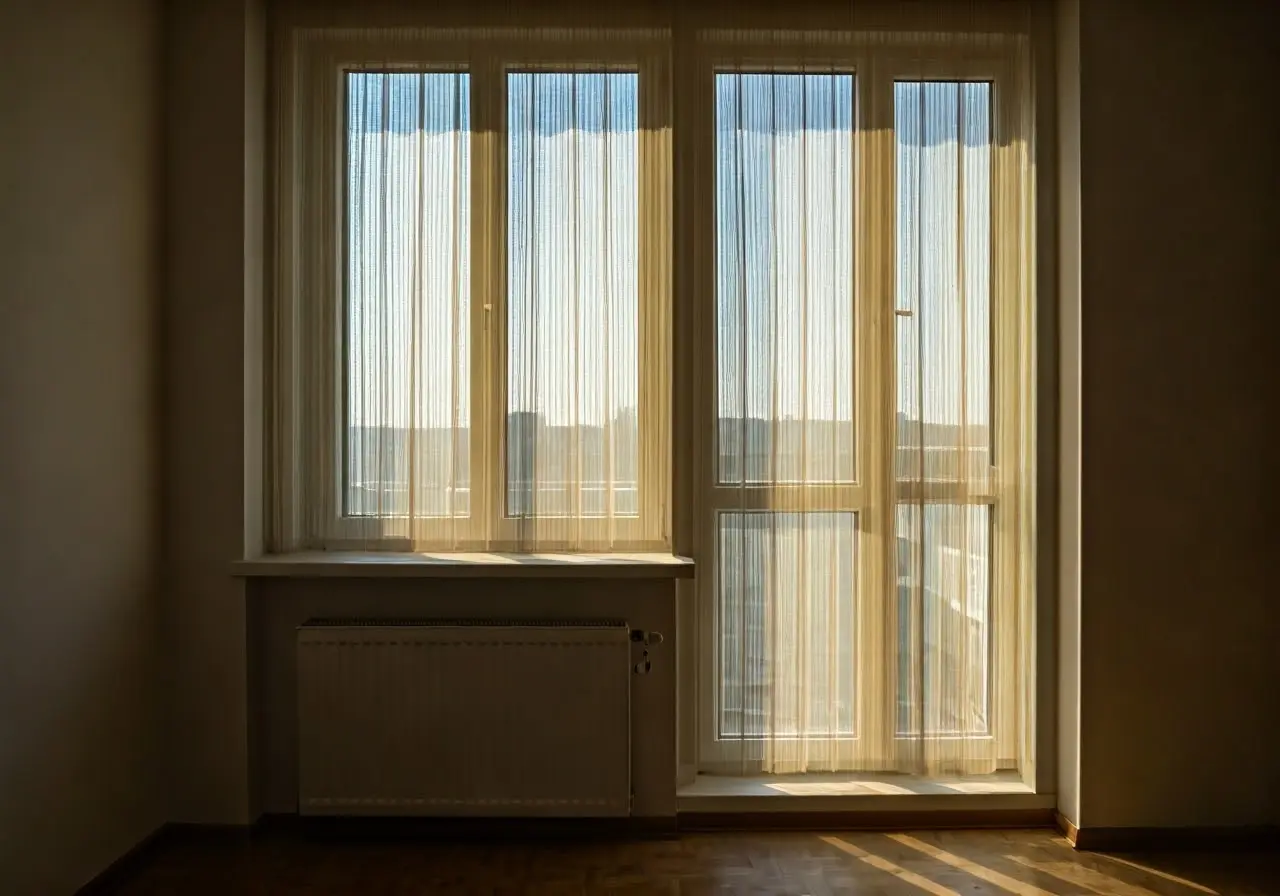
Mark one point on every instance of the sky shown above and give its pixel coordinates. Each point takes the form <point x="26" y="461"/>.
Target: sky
<point x="785" y="261"/>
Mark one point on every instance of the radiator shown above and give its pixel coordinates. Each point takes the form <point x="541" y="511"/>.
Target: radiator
<point x="464" y="718"/>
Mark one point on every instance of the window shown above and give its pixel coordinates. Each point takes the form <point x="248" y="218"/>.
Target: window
<point x="470" y="325"/>
<point x="406" y="336"/>
<point x="572" y="289"/>
<point x="502" y="253"/>
<point x="865" y="453"/>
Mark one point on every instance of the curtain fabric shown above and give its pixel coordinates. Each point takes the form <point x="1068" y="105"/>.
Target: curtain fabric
<point x="867" y="475"/>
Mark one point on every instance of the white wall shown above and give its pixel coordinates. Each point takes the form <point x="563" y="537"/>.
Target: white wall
<point x="80" y="779"/>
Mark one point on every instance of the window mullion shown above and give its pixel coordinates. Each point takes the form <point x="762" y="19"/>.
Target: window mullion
<point x="488" y="289"/>
<point x="876" y="341"/>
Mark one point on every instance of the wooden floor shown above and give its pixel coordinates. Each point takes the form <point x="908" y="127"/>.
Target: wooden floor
<point x="1026" y="863"/>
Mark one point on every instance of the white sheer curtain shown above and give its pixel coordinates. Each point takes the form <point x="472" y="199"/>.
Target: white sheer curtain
<point x="868" y="479"/>
<point x="407" y="341"/>
<point x="573" y="385"/>
<point x="472" y="336"/>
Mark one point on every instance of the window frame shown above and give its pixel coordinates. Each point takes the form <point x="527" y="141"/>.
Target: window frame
<point x="309" y="309"/>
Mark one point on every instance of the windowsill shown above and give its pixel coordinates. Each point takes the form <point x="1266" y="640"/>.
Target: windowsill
<point x="380" y="565"/>
<point x="858" y="792"/>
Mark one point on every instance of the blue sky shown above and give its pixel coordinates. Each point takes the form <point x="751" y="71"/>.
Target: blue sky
<point x="785" y="259"/>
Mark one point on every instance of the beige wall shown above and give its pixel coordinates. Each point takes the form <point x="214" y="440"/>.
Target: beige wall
<point x="214" y="124"/>
<point x="278" y="606"/>
<point x="1179" y="627"/>
<point x="1066" y="134"/>
<point x="80" y="779"/>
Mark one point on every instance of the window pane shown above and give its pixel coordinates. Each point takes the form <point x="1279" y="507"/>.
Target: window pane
<point x="787" y="619"/>
<point x="944" y="279"/>
<point x="572" y="289"/>
<point x="784" y="277"/>
<point x="407" y="295"/>
<point x="944" y="626"/>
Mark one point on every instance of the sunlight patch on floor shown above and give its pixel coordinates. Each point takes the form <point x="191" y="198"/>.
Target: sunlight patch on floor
<point x="885" y="865"/>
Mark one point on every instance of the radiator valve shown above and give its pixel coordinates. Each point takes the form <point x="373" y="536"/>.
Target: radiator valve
<point x="639" y="636"/>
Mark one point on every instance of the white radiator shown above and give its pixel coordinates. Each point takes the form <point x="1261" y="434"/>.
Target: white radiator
<point x="464" y="718"/>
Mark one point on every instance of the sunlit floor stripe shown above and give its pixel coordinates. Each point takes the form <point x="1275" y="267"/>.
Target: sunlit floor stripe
<point x="1158" y="873"/>
<point x="885" y="865"/>
<point x="1079" y="876"/>
<point x="970" y="867"/>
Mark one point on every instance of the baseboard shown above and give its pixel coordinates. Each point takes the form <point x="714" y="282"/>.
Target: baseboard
<point x="468" y="829"/>
<point x="122" y="869"/>
<point x="1171" y="839"/>
<point x="1065" y="827"/>
<point x="897" y="820"/>
<point x="128" y="865"/>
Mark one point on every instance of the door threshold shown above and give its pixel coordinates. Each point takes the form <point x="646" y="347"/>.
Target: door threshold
<point x="860" y="793"/>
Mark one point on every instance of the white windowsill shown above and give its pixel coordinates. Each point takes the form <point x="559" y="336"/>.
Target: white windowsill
<point x="378" y="565"/>
<point x="858" y="792"/>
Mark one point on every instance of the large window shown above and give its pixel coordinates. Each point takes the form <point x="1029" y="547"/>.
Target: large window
<point x="470" y="323"/>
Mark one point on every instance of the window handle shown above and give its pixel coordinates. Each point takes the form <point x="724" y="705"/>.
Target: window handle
<point x="903" y="312"/>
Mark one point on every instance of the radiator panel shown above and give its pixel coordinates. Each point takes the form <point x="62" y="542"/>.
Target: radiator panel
<point x="464" y="720"/>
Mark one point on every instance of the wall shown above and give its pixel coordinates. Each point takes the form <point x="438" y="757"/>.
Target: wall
<point x="1179" y="719"/>
<point x="1177" y="711"/>
<point x="215" y="131"/>
<point x="1067" y="316"/>
<point x="80" y="779"/>
<point x="278" y="606"/>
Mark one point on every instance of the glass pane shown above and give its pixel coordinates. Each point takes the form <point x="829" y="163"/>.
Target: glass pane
<point x="944" y="618"/>
<point x="944" y="279"/>
<point x="572" y="289"/>
<point x="408" y="288"/>
<point x="787" y="619"/>
<point x="784" y="277"/>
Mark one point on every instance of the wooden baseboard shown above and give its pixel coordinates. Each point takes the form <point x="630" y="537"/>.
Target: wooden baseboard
<point x="472" y="829"/>
<point x="900" y="820"/>
<point x="122" y="869"/>
<point x="1065" y="827"/>
<point x="133" y="861"/>
<point x="1208" y="839"/>
<point x="1097" y="839"/>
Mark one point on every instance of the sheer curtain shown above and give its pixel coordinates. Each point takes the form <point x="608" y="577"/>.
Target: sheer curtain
<point x="584" y="356"/>
<point x="471" y="333"/>
<point x="868" y="500"/>
<point x="406" y="432"/>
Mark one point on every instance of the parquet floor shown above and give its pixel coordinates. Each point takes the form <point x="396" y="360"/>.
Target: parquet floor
<point x="943" y="863"/>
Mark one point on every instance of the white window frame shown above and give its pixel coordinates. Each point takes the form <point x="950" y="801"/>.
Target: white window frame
<point x="875" y="494"/>
<point x="308" y="321"/>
